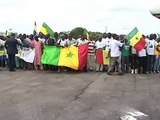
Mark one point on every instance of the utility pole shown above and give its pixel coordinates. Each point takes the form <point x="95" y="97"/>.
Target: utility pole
<point x="106" y="29"/>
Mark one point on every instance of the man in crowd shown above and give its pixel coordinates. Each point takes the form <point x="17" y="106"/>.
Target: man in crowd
<point x="115" y="55"/>
<point x="99" y="45"/>
<point x="91" y="55"/>
<point x="151" y="45"/>
<point x="11" y="46"/>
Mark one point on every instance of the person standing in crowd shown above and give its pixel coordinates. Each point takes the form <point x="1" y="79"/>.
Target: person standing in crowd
<point x="71" y="40"/>
<point x="134" y="60"/>
<point x="157" y="57"/>
<point x="2" y="51"/>
<point x="38" y="53"/>
<point x="99" y="45"/>
<point x="126" y="49"/>
<point x="80" y="41"/>
<point x="62" y="42"/>
<point x="115" y="55"/>
<point x="41" y="37"/>
<point x="106" y="38"/>
<point x="56" y="38"/>
<point x="151" y="44"/>
<point x="91" y="55"/>
<point x="11" y="46"/>
<point x="142" y="61"/>
<point x="17" y="58"/>
<point x="26" y="45"/>
<point x="48" y="41"/>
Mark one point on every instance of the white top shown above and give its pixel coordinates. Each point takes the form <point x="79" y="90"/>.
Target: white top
<point x="80" y="41"/>
<point x="142" y="53"/>
<point x="107" y="42"/>
<point x="62" y="42"/>
<point x="41" y="39"/>
<point x="99" y="44"/>
<point x="114" y="47"/>
<point x="151" y="44"/>
<point x="2" y="42"/>
<point x="134" y="50"/>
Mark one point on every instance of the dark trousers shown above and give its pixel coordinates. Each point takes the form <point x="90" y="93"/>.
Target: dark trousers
<point x="134" y="61"/>
<point x="11" y="61"/>
<point x="150" y="62"/>
<point x="142" y="66"/>
<point x="125" y="63"/>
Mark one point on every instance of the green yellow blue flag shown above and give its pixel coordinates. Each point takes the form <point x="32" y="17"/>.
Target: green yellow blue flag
<point x="45" y="29"/>
<point x="85" y="32"/>
<point x="35" y="29"/>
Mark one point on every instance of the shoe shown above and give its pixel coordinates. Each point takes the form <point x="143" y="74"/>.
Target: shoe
<point x="12" y="70"/>
<point x="132" y="71"/>
<point x="109" y="73"/>
<point x="144" y="72"/>
<point x="120" y="73"/>
<point x="136" y="71"/>
<point x="154" y="72"/>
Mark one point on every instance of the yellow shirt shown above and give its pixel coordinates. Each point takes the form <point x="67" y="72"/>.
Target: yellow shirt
<point x="157" y="52"/>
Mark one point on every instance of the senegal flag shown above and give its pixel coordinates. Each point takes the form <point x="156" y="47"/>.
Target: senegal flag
<point x="136" y="40"/>
<point x="72" y="57"/>
<point x="45" y="29"/>
<point x="102" y="57"/>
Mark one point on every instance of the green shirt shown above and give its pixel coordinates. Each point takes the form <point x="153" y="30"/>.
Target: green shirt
<point x="126" y="50"/>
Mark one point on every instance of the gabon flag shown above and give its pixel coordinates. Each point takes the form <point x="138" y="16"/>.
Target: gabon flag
<point x="136" y="39"/>
<point x="35" y="29"/>
<point x="85" y="32"/>
<point x="45" y="29"/>
<point x="72" y="56"/>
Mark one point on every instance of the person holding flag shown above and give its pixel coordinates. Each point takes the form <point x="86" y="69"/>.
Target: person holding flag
<point x="35" y="29"/>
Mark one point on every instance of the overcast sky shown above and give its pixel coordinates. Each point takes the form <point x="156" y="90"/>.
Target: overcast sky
<point x="118" y="16"/>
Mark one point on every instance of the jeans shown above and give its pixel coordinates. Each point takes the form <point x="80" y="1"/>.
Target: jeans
<point x="150" y="59"/>
<point x="156" y="63"/>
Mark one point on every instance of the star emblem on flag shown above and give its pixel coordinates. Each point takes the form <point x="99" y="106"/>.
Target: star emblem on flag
<point x="136" y="38"/>
<point x="69" y="55"/>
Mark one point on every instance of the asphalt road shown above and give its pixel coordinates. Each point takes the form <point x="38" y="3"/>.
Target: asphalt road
<point x="46" y="95"/>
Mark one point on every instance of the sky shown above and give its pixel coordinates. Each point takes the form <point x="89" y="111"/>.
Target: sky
<point x="115" y="16"/>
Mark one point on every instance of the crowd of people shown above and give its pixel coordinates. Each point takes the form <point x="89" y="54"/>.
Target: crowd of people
<point x="123" y="58"/>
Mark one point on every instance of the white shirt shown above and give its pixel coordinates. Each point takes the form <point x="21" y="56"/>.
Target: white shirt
<point x="99" y="44"/>
<point x="134" y="50"/>
<point x="142" y="53"/>
<point x="62" y="42"/>
<point x="80" y="41"/>
<point x="106" y="43"/>
<point x="41" y="39"/>
<point x="2" y="42"/>
<point x="114" y="47"/>
<point x="151" y="44"/>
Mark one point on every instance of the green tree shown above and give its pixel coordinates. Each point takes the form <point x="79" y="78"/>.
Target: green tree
<point x="76" y="32"/>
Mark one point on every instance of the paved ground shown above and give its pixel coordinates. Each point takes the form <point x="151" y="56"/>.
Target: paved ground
<point x="32" y="95"/>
